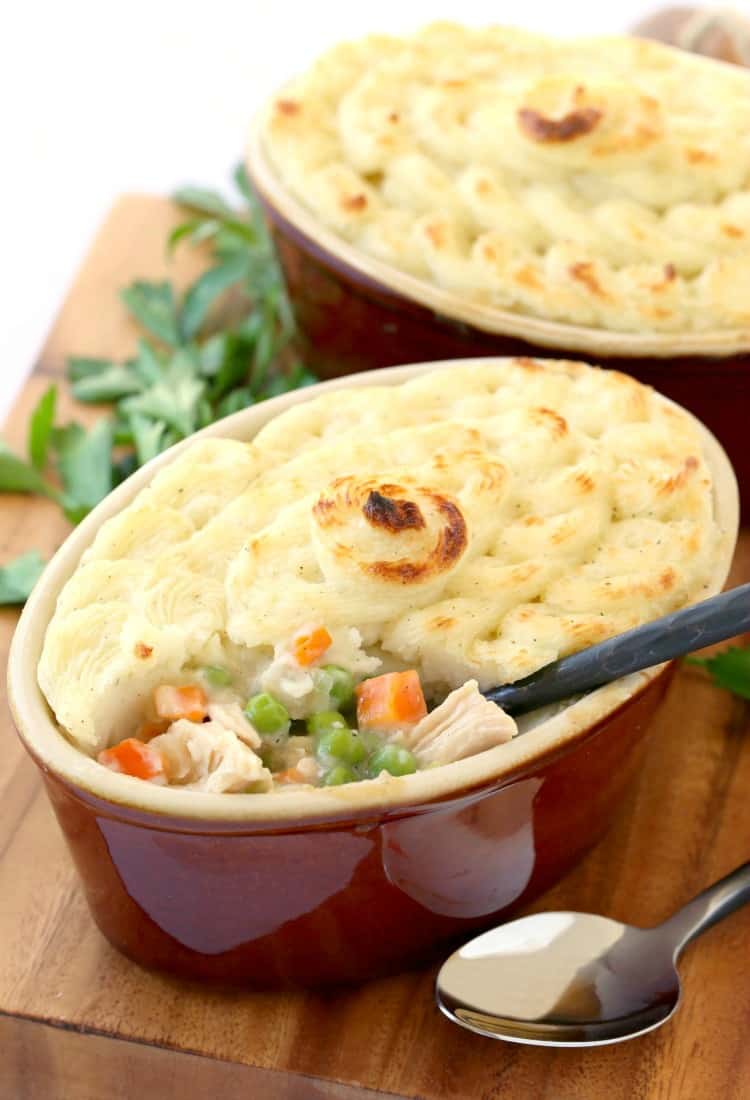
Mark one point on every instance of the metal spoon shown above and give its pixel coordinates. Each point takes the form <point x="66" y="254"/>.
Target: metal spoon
<point x="577" y="979"/>
<point x="705" y="623"/>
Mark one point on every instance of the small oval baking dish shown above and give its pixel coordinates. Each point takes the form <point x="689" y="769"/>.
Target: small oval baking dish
<point x="336" y="884"/>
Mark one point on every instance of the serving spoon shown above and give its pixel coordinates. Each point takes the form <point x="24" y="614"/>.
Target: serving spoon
<point x="705" y="623"/>
<point x="577" y="979"/>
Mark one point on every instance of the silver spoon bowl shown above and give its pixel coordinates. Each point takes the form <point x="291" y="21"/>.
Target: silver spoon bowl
<point x="577" y="979"/>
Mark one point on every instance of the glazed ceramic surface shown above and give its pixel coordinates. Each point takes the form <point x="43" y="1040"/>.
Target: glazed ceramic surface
<point x="349" y="899"/>
<point x="336" y="884"/>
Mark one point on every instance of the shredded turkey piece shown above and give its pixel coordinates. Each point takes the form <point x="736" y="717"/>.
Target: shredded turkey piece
<point x="232" y="717"/>
<point x="463" y="724"/>
<point x="208" y="757"/>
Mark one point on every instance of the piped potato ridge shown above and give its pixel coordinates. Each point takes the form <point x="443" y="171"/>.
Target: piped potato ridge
<point x="580" y="181"/>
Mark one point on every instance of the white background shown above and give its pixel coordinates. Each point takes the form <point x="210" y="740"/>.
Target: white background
<point x="99" y="98"/>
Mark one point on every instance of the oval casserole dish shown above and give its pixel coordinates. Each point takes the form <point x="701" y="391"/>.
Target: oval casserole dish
<point x="337" y="884"/>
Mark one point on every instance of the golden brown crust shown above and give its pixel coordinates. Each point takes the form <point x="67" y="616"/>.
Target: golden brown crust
<point x="450" y="545"/>
<point x="425" y="531"/>
<point x="392" y="515"/>
<point x="573" y="125"/>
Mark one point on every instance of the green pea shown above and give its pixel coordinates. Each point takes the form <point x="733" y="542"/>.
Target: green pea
<point x="341" y="690"/>
<point x="338" y="775"/>
<point x="393" y="759"/>
<point x="267" y="714"/>
<point x="325" y="720"/>
<point x="341" y="744"/>
<point x="217" y="676"/>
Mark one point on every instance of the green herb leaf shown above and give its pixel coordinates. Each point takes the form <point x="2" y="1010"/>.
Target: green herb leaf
<point x="729" y="670"/>
<point x="242" y="181"/>
<point x="205" y="413"/>
<point x="148" y="436"/>
<point x="84" y="460"/>
<point x="205" y="290"/>
<point x="174" y="399"/>
<point x="153" y="305"/>
<point x="147" y="365"/>
<point x="300" y="377"/>
<point x="110" y="384"/>
<point x="82" y="367"/>
<point x="123" y="467"/>
<point x="213" y="352"/>
<point x="17" y="476"/>
<point x="238" y="399"/>
<point x="234" y="369"/>
<point x="296" y="379"/>
<point x="204" y="201"/>
<point x="18" y="577"/>
<point x="122" y="431"/>
<point x="195" y="230"/>
<point x="161" y="396"/>
<point x="265" y="350"/>
<point x="40" y="428"/>
<point x="64" y="435"/>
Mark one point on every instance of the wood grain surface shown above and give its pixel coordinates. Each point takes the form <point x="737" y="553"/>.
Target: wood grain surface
<point x="78" y="1022"/>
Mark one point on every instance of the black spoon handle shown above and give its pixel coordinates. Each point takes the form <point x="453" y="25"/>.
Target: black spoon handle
<point x="705" y="623"/>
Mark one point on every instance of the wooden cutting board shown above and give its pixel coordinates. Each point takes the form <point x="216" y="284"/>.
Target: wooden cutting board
<point x="78" y="1022"/>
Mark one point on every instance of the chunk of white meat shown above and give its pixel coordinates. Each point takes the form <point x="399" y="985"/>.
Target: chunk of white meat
<point x="463" y="724"/>
<point x="205" y="756"/>
<point x="294" y="686"/>
<point x="232" y="717"/>
<point x="305" y="690"/>
<point x="308" y="769"/>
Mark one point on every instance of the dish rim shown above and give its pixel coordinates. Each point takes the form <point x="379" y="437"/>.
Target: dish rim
<point x="54" y="753"/>
<point x="583" y="339"/>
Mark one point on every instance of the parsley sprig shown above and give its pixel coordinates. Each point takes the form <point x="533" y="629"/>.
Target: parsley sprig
<point x="729" y="670"/>
<point x="225" y="344"/>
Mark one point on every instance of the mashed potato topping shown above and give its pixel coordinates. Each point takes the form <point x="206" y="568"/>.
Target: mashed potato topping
<point x="473" y="523"/>
<point x="599" y="181"/>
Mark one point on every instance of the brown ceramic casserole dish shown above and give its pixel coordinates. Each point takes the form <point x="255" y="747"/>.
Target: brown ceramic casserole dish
<point x="356" y="313"/>
<point x="339" y="884"/>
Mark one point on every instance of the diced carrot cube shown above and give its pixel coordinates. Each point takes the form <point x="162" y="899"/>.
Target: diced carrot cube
<point x="391" y="701"/>
<point x="172" y="702"/>
<point x="133" y="757"/>
<point x="310" y="645"/>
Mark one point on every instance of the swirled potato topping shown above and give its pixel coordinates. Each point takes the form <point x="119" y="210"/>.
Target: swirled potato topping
<point x="603" y="182"/>
<point x="473" y="523"/>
